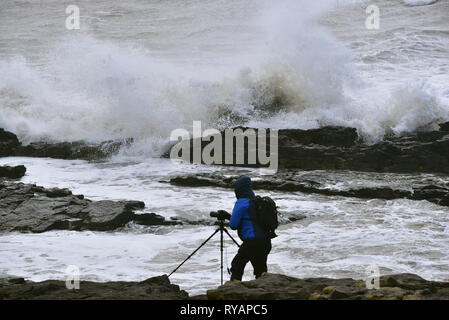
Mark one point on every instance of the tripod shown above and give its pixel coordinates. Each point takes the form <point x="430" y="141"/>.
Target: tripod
<point x="221" y="229"/>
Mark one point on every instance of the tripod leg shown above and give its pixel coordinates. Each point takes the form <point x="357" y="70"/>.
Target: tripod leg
<point x="221" y="248"/>
<point x="227" y="232"/>
<point x="194" y="251"/>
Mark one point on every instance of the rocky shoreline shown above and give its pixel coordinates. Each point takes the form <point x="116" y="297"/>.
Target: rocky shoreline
<point x="326" y="148"/>
<point x="31" y="208"/>
<point x="281" y="287"/>
<point x="10" y="146"/>
<point x="156" y="288"/>
<point x="340" y="148"/>
<point x="268" y="287"/>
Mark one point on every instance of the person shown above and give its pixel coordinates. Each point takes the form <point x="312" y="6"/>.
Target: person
<point x="256" y="242"/>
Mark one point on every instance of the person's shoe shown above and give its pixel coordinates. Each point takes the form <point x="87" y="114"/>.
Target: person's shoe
<point x="232" y="281"/>
<point x="262" y="275"/>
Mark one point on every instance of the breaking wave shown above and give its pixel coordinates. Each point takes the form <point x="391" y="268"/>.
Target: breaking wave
<point x="293" y="74"/>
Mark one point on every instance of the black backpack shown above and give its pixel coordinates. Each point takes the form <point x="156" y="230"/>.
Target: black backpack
<point x="266" y="214"/>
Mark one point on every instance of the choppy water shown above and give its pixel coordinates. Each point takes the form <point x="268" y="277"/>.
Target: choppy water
<point x="339" y="238"/>
<point x="143" y="68"/>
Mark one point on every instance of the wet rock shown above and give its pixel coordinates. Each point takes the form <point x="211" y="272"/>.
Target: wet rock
<point x="202" y="180"/>
<point x="156" y="288"/>
<point x="413" y="153"/>
<point x="339" y="148"/>
<point x="444" y="201"/>
<point x="11" y="146"/>
<point x="405" y="281"/>
<point x="108" y="215"/>
<point x="10" y="280"/>
<point x="288" y="182"/>
<point x="16" y="172"/>
<point x="152" y="219"/>
<point x="71" y="150"/>
<point x="325" y="136"/>
<point x="340" y="293"/>
<point x="444" y="126"/>
<point x="31" y="208"/>
<point x="296" y="218"/>
<point x="280" y="287"/>
<point x="430" y="192"/>
<point x="57" y="192"/>
<point x="267" y="287"/>
<point x="8" y="142"/>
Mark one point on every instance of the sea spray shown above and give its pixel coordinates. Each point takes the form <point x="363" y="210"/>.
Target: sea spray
<point x="283" y="66"/>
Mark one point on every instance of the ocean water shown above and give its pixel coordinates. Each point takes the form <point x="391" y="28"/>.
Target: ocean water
<point x="144" y="68"/>
<point x="340" y="237"/>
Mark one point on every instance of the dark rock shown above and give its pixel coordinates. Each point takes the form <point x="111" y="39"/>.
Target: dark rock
<point x="8" y="142"/>
<point x="429" y="192"/>
<point x="444" y="126"/>
<point x="444" y="201"/>
<point x="151" y="219"/>
<point x="108" y="215"/>
<point x="287" y="181"/>
<point x="296" y="218"/>
<point x="10" y="280"/>
<point x="16" y="172"/>
<point x="280" y="287"/>
<point x="325" y="136"/>
<point x="26" y="207"/>
<point x="71" y="150"/>
<point x="202" y="180"/>
<point x="157" y="288"/>
<point x="340" y="293"/>
<point x="11" y="146"/>
<point x="406" y="281"/>
<point x="430" y="136"/>
<point x="56" y="192"/>
<point x="338" y="148"/>
<point x="385" y="193"/>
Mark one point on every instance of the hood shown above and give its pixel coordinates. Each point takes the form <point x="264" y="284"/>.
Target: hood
<point x="243" y="188"/>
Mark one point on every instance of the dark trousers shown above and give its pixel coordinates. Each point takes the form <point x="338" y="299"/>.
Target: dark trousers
<point x="254" y="250"/>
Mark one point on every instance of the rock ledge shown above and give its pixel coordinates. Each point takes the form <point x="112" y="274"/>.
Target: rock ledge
<point x="156" y="288"/>
<point x="280" y="287"/>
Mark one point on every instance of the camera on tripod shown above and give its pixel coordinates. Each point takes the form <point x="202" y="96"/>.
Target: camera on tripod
<point x="220" y="215"/>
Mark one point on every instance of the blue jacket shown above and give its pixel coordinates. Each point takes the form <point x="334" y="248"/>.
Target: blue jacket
<point x="243" y="214"/>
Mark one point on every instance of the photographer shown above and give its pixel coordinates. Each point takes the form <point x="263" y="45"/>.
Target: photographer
<point x="256" y="242"/>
